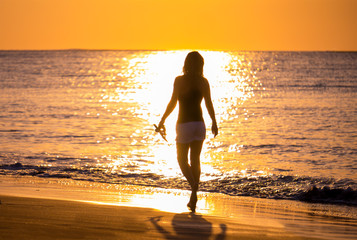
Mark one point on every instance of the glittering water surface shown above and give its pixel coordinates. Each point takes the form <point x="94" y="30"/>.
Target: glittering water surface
<point x="287" y="119"/>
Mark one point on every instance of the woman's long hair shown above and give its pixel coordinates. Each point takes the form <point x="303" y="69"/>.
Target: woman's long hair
<point x="193" y="64"/>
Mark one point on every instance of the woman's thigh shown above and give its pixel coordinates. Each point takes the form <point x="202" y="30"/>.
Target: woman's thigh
<point x="195" y="148"/>
<point x="182" y="151"/>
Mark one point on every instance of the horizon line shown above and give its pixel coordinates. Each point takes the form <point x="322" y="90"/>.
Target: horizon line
<point x="213" y="50"/>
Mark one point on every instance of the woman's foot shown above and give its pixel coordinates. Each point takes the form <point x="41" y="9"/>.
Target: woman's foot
<point x="192" y="203"/>
<point x="191" y="207"/>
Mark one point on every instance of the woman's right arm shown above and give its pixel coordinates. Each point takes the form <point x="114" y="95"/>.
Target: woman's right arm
<point x="172" y="104"/>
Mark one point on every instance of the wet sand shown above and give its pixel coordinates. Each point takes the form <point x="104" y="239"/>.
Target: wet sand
<point x="34" y="208"/>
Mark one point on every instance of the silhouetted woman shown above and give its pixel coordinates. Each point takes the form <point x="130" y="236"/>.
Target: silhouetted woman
<point x="189" y="90"/>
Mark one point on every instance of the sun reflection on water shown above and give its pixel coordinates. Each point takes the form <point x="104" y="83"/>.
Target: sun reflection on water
<point x="145" y="86"/>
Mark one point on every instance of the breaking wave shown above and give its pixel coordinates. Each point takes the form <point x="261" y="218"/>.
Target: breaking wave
<point x="308" y="189"/>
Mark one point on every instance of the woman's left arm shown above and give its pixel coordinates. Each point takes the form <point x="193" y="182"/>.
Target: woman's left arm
<point x="209" y="106"/>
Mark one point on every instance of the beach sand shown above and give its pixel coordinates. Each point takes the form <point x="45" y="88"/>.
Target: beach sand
<point x="35" y="208"/>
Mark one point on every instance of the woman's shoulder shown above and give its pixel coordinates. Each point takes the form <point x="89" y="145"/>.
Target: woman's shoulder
<point x="205" y="81"/>
<point x="179" y="79"/>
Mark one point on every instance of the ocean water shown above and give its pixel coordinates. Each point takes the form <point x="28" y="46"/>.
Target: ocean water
<point x="287" y="120"/>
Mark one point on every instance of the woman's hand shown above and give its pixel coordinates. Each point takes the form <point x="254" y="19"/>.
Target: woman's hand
<point x="161" y="129"/>
<point x="214" y="129"/>
<point x="161" y="124"/>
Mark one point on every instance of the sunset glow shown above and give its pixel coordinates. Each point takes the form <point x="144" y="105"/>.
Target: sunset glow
<point x="151" y="76"/>
<point x="179" y="24"/>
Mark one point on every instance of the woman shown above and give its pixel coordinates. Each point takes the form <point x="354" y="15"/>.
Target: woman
<point x="189" y="90"/>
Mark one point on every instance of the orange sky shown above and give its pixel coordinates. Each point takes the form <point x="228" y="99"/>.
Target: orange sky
<point x="179" y="24"/>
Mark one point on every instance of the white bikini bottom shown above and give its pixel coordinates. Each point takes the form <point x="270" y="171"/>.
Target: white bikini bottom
<point x="190" y="131"/>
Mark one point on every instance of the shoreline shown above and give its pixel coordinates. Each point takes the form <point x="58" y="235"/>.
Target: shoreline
<point x="158" y="211"/>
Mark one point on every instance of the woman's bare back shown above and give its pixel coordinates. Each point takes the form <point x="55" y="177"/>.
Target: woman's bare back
<point x="190" y="92"/>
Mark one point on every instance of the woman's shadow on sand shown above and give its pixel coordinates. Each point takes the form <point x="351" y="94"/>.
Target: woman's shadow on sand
<point x="189" y="226"/>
